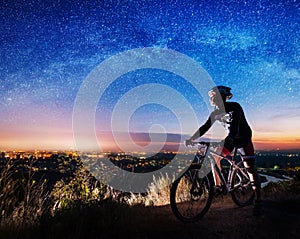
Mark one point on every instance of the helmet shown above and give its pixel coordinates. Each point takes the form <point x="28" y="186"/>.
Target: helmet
<point x="223" y="90"/>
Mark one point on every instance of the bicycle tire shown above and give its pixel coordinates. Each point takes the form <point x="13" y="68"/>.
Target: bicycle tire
<point x="241" y="189"/>
<point x="191" y="196"/>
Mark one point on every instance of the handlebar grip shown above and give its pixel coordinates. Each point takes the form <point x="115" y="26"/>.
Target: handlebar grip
<point x="189" y="142"/>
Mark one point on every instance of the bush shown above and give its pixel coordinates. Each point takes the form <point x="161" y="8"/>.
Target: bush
<point x="158" y="193"/>
<point x="22" y="199"/>
<point x="80" y="189"/>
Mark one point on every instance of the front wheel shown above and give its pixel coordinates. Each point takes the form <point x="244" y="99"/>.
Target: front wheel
<point x="241" y="189"/>
<point x="192" y="194"/>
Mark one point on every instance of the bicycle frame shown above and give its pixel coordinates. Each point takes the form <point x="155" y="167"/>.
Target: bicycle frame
<point x="233" y="165"/>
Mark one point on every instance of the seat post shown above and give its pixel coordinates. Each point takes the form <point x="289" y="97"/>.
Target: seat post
<point x="234" y="152"/>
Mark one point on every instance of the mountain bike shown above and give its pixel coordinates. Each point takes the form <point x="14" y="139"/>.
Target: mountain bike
<point x="191" y="194"/>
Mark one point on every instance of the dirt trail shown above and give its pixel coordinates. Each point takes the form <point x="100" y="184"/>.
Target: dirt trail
<point x="224" y="220"/>
<point x="281" y="219"/>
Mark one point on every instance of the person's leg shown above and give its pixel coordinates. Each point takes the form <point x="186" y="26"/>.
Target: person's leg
<point x="215" y="174"/>
<point x="249" y="162"/>
<point x="250" y="165"/>
<point x="224" y="152"/>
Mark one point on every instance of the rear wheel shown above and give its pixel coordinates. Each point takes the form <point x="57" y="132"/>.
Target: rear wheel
<point x="191" y="195"/>
<point x="241" y="189"/>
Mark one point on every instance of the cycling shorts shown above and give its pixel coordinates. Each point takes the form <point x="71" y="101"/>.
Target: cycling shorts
<point x="245" y="147"/>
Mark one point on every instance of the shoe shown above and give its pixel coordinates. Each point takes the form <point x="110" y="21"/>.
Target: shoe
<point x="258" y="208"/>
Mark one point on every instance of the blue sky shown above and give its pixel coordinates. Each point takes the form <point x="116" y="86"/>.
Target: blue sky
<point x="49" y="47"/>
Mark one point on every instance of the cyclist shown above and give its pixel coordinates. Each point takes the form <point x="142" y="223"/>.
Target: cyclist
<point x="231" y="115"/>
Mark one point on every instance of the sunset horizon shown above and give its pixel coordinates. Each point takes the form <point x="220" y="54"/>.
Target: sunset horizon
<point x="141" y="139"/>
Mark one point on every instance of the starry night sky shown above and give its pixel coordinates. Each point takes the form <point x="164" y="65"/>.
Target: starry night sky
<point x="49" y="47"/>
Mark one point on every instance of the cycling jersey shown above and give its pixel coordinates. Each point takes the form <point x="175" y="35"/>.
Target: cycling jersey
<point x="234" y="121"/>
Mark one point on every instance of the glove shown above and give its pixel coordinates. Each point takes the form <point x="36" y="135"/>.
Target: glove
<point x="188" y="142"/>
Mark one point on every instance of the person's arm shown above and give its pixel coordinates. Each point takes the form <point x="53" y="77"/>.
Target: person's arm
<point x="204" y="128"/>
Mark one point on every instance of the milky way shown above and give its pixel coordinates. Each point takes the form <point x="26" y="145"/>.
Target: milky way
<point x="49" y="47"/>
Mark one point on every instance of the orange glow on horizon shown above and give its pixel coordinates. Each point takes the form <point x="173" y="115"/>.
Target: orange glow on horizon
<point x="65" y="142"/>
<point x="276" y="143"/>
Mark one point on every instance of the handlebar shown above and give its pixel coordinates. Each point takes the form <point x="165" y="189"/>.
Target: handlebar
<point x="214" y="144"/>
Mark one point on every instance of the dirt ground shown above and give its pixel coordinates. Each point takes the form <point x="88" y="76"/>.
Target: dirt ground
<point x="224" y="220"/>
<point x="281" y="219"/>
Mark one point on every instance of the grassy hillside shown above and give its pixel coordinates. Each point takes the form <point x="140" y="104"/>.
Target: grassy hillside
<point x="79" y="207"/>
